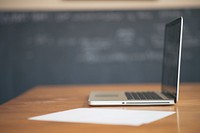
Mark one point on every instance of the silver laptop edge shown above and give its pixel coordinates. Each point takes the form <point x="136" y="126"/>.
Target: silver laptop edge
<point x="179" y="64"/>
<point x="99" y="98"/>
<point x="179" y="56"/>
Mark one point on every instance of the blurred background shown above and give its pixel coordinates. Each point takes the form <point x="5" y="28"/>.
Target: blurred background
<point x="70" y="42"/>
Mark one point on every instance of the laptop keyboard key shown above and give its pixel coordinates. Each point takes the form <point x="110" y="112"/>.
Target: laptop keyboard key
<point x="142" y="96"/>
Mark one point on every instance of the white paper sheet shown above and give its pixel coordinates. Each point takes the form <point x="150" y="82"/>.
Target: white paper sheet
<point x="105" y="116"/>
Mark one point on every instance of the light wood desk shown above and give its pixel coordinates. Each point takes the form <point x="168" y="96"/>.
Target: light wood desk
<point x="47" y="99"/>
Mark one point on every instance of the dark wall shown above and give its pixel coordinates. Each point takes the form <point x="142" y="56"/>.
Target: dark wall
<point x="90" y="47"/>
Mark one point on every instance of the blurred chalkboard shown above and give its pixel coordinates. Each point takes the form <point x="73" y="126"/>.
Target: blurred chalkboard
<point x="91" y="47"/>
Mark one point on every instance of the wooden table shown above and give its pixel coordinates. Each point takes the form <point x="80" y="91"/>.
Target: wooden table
<point x="47" y="99"/>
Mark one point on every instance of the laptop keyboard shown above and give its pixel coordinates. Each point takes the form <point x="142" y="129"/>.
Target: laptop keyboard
<point x="142" y="96"/>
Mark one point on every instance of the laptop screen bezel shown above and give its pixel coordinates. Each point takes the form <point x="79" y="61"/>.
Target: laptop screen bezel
<point x="164" y="87"/>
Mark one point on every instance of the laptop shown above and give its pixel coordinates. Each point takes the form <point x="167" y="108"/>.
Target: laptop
<point x="169" y="93"/>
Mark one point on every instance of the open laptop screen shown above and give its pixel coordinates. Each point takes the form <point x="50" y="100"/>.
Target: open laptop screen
<point x="172" y="57"/>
